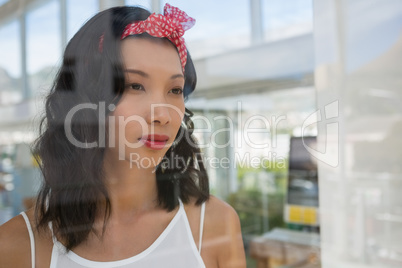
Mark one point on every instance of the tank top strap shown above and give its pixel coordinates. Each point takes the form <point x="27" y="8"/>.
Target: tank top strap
<point x="31" y="238"/>
<point x="50" y="224"/>
<point x="201" y="226"/>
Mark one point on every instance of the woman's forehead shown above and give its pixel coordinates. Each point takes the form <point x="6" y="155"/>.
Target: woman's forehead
<point x="145" y="52"/>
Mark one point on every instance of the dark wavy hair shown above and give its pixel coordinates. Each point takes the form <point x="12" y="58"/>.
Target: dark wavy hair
<point x="73" y="187"/>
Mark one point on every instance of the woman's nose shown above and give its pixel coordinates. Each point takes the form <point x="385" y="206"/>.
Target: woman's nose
<point x="159" y="114"/>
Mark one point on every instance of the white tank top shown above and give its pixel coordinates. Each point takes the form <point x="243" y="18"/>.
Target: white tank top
<point x="174" y="248"/>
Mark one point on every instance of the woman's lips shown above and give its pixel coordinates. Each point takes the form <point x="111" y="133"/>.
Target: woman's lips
<point x="155" y="141"/>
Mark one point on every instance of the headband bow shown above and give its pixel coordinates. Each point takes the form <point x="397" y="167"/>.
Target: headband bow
<point x="172" y="25"/>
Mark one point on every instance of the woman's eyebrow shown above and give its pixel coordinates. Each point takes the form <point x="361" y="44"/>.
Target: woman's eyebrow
<point x="177" y="76"/>
<point x="137" y="72"/>
<point x="143" y="74"/>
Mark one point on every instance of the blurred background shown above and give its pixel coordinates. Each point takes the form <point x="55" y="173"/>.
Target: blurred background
<point x="303" y="101"/>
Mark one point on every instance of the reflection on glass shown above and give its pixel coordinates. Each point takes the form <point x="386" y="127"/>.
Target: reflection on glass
<point x="43" y="46"/>
<point x="3" y="2"/>
<point x="360" y="199"/>
<point x="220" y="26"/>
<point x="143" y="3"/>
<point x="284" y="19"/>
<point x="303" y="179"/>
<point x="78" y="12"/>
<point x="11" y="90"/>
<point x="257" y="130"/>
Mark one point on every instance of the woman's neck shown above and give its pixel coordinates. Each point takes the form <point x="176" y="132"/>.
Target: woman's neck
<point x="131" y="189"/>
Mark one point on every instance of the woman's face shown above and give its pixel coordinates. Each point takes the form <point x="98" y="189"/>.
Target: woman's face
<point x="150" y="112"/>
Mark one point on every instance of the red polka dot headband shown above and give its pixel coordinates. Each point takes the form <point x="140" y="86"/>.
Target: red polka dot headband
<point x="172" y="25"/>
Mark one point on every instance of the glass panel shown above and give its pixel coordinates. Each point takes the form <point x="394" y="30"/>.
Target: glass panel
<point x="143" y="3"/>
<point x="246" y="140"/>
<point x="358" y="55"/>
<point x="78" y="12"/>
<point x="283" y="19"/>
<point x="11" y="90"/>
<point x="43" y="46"/>
<point x="221" y="25"/>
<point x="2" y="2"/>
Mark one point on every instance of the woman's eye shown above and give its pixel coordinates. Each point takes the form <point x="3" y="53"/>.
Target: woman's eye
<point x="177" y="91"/>
<point x="135" y="86"/>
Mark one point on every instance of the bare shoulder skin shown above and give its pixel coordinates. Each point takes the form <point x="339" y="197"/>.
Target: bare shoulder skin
<point x="15" y="249"/>
<point x="222" y="243"/>
<point x="15" y="246"/>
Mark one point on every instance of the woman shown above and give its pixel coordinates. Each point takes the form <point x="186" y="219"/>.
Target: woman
<point x="124" y="184"/>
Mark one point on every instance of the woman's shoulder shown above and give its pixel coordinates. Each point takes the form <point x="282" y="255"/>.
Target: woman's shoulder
<point x="223" y="233"/>
<point x="220" y="215"/>
<point x="215" y="209"/>
<point x="216" y="204"/>
<point x="15" y="243"/>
